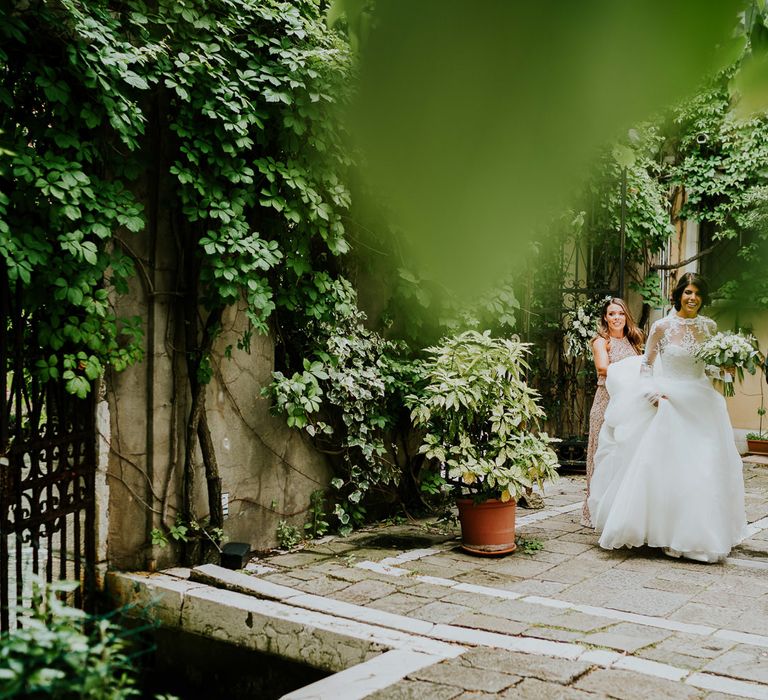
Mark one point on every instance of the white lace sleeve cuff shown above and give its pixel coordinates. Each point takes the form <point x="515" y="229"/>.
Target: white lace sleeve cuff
<point x="715" y="372"/>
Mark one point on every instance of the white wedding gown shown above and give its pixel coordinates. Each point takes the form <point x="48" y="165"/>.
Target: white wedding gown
<point x="670" y="476"/>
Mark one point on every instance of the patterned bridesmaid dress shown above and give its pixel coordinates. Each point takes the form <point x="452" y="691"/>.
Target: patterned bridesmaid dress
<point x="619" y="349"/>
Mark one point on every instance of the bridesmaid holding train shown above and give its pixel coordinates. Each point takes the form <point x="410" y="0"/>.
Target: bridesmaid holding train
<point x="618" y="336"/>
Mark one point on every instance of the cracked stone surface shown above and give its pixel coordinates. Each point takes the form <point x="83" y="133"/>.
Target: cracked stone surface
<point x="402" y="604"/>
<point x="541" y="667"/>
<point x="534" y="689"/>
<point x="417" y="690"/>
<point x="490" y="623"/>
<point x="364" y="592"/>
<point x="742" y="661"/>
<point x="468" y="678"/>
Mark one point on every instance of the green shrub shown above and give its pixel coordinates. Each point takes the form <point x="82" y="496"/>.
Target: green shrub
<point x="61" y="652"/>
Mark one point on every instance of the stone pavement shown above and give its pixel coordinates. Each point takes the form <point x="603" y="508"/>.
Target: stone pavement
<point x="399" y="612"/>
<point x="568" y="620"/>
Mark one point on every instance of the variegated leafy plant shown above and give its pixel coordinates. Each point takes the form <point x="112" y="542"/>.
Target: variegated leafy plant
<point x="481" y="419"/>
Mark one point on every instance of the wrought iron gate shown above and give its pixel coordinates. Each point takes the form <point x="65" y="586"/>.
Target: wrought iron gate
<point x="47" y="471"/>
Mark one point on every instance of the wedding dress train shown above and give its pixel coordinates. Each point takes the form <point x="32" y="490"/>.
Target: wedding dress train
<point x="668" y="476"/>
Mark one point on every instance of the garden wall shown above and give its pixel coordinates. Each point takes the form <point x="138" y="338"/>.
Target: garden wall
<point x="267" y="470"/>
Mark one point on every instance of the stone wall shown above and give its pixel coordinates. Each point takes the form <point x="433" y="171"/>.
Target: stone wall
<point x="267" y="469"/>
<point x="262" y="461"/>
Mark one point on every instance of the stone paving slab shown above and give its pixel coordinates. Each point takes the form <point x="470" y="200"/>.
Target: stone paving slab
<point x="626" y="637"/>
<point x="467" y="679"/>
<point x="625" y="685"/>
<point x="417" y="690"/>
<point x="742" y="661"/>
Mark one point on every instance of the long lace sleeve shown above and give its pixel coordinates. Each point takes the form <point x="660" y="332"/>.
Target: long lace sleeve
<point x="651" y="349"/>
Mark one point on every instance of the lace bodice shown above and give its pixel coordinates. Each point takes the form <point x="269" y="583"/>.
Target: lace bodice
<point x="675" y="339"/>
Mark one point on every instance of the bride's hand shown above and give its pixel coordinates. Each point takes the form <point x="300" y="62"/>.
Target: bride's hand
<point x="654" y="397"/>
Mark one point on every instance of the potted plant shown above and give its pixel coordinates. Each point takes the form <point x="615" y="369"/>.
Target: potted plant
<point x="480" y="424"/>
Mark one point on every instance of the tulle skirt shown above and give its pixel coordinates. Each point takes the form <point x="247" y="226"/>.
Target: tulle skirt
<point x="670" y="476"/>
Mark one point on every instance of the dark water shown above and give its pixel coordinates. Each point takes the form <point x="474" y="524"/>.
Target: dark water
<point x="190" y="666"/>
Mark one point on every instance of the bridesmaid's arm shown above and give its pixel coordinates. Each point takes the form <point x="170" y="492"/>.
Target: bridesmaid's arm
<point x="600" y="353"/>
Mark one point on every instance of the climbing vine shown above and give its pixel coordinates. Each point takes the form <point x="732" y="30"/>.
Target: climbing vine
<point x="213" y="124"/>
<point x="225" y="110"/>
<point x="720" y="164"/>
<point x="631" y="175"/>
<point x="349" y="396"/>
<point x="68" y="87"/>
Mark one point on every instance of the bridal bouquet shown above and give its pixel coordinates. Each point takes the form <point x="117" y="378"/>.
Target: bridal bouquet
<point x="732" y="350"/>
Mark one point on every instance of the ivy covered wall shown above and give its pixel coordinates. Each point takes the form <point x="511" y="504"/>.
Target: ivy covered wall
<point x="164" y="163"/>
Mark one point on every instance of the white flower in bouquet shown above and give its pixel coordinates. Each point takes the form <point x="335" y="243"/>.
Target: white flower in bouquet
<point x="733" y="351"/>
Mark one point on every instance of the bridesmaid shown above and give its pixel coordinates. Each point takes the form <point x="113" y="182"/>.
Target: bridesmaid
<point x="617" y="337"/>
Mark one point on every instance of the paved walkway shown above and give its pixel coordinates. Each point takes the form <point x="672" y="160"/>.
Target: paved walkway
<point x="560" y="618"/>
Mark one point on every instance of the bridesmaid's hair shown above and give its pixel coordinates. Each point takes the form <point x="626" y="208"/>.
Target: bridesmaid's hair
<point x="695" y="279"/>
<point x="632" y="331"/>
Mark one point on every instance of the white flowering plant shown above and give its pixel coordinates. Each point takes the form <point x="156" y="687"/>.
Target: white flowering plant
<point x="730" y="351"/>
<point x="581" y="327"/>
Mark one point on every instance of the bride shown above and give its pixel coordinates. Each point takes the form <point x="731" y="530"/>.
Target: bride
<point x="667" y="472"/>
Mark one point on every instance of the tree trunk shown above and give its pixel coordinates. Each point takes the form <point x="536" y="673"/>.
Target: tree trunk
<point x="215" y="510"/>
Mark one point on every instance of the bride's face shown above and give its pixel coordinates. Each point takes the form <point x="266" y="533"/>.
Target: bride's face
<point x="616" y="319"/>
<point x="690" y="301"/>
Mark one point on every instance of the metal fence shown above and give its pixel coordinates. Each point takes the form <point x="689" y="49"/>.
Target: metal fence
<point x="47" y="470"/>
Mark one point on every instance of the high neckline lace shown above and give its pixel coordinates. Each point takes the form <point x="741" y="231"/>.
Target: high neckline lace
<point x="684" y="319"/>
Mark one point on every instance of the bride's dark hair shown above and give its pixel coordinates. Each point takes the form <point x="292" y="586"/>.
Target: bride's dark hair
<point x="694" y="279"/>
<point x="631" y="330"/>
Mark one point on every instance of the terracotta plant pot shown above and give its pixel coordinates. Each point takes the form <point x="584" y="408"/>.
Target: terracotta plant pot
<point x="487" y="528"/>
<point x="757" y="447"/>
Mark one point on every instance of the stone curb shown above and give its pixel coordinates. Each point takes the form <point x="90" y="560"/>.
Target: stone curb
<point x="324" y="641"/>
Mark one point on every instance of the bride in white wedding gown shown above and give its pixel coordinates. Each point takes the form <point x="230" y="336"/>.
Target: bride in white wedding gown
<point x="667" y="472"/>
